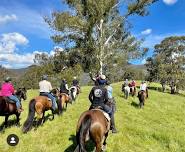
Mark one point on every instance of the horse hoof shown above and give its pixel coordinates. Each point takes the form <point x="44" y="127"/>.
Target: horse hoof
<point x="103" y="148"/>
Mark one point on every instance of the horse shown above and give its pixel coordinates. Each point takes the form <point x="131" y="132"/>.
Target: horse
<point x="73" y="92"/>
<point x="39" y="105"/>
<point x="64" y="99"/>
<point x="126" y="90"/>
<point x="133" y="91"/>
<point x="142" y="97"/>
<point x="93" y="125"/>
<point x="8" y="107"/>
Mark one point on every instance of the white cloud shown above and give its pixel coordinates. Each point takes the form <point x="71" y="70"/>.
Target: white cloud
<point x="8" y="42"/>
<point x="146" y="32"/>
<point x="8" y="18"/>
<point x="14" y="60"/>
<point x="169" y="2"/>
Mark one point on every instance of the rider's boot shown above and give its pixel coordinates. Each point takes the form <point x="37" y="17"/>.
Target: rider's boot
<point x="112" y="125"/>
<point x="20" y="110"/>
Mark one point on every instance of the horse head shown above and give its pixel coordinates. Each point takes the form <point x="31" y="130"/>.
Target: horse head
<point x="21" y="93"/>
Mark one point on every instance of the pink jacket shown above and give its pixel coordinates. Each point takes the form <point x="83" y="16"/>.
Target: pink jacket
<point x="7" y="89"/>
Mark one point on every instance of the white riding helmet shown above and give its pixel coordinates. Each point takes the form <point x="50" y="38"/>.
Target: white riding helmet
<point x="103" y="77"/>
<point x="74" y="77"/>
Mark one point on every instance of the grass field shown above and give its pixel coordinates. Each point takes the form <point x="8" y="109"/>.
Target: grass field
<point x="159" y="127"/>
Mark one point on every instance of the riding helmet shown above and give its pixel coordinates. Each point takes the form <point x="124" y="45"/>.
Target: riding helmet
<point x="8" y="79"/>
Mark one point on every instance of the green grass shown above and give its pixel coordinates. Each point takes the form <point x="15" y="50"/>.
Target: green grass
<point x="159" y="127"/>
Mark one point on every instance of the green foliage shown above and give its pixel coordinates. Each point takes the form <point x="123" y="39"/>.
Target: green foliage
<point x="168" y="62"/>
<point x="156" y="128"/>
<point x="96" y="30"/>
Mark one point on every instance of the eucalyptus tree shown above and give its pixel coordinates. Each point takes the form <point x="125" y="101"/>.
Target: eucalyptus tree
<point x="96" y="30"/>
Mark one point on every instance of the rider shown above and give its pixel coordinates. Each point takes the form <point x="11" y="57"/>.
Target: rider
<point x="99" y="97"/>
<point x="143" y="87"/>
<point x="125" y="84"/>
<point x="45" y="88"/>
<point x="7" y="90"/>
<point x="133" y="84"/>
<point x="96" y="78"/>
<point x="75" y="83"/>
<point x="64" y="87"/>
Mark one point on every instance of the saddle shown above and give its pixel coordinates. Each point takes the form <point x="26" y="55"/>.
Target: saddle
<point x="45" y="95"/>
<point x="104" y="113"/>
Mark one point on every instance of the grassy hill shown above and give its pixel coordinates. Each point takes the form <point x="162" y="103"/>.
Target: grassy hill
<point x="159" y="127"/>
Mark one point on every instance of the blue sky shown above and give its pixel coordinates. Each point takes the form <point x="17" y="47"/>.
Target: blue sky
<point x="23" y="31"/>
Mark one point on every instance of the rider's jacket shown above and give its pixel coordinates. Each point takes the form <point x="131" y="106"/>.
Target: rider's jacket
<point x="63" y="87"/>
<point x="98" y="96"/>
<point x="143" y="86"/>
<point x="75" y="82"/>
<point x="45" y="86"/>
<point x="7" y="89"/>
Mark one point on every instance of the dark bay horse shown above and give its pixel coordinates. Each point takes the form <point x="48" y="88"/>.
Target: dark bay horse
<point x="92" y="125"/>
<point x="142" y="97"/>
<point x="8" y="107"/>
<point x="38" y="105"/>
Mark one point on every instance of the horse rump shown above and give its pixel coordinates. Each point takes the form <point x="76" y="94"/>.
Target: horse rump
<point x="83" y="133"/>
<point x="28" y="123"/>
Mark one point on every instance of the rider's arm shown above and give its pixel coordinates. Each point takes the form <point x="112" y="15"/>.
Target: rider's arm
<point x="12" y="90"/>
<point x="106" y="96"/>
<point x="66" y="86"/>
<point x="91" y="96"/>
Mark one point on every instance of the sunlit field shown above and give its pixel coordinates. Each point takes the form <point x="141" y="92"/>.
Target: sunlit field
<point x="159" y="127"/>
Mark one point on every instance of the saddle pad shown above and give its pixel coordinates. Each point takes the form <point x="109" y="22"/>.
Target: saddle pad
<point x="105" y="114"/>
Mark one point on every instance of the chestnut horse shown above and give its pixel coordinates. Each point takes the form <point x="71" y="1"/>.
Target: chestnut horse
<point x="8" y="107"/>
<point x="92" y="125"/>
<point x="64" y="99"/>
<point x="39" y="104"/>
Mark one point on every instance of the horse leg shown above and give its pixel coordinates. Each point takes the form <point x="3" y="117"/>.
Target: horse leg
<point x="53" y="116"/>
<point x="66" y="105"/>
<point x="43" y="118"/>
<point x="18" y="119"/>
<point x="104" y="142"/>
<point x="6" y="121"/>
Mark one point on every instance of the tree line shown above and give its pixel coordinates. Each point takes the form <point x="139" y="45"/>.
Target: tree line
<point x="96" y="37"/>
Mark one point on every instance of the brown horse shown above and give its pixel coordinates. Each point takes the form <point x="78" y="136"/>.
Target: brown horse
<point x="8" y="107"/>
<point x="64" y="99"/>
<point x="142" y="97"/>
<point x="92" y="125"/>
<point x="133" y="91"/>
<point x="39" y="104"/>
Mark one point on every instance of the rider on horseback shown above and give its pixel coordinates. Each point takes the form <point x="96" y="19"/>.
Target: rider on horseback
<point x="7" y="90"/>
<point x="99" y="97"/>
<point x="45" y="88"/>
<point x="143" y="87"/>
<point x="64" y="87"/>
<point x="75" y="83"/>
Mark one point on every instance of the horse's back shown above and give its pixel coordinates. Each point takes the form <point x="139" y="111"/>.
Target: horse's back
<point x="42" y="102"/>
<point x="97" y="119"/>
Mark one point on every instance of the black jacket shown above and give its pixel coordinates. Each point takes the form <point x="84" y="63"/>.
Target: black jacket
<point x="98" y="96"/>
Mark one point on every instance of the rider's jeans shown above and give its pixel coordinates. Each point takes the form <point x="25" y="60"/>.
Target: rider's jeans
<point x="16" y="100"/>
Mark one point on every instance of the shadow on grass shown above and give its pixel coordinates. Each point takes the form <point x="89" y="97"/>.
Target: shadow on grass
<point x="134" y="104"/>
<point x="10" y="123"/>
<point x="89" y="145"/>
<point x="48" y="117"/>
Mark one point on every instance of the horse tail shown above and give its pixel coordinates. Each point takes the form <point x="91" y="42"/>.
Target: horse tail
<point x="82" y="133"/>
<point x="28" y="123"/>
<point x="60" y="105"/>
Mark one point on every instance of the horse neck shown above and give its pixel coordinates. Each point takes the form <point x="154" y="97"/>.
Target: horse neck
<point x="19" y="95"/>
